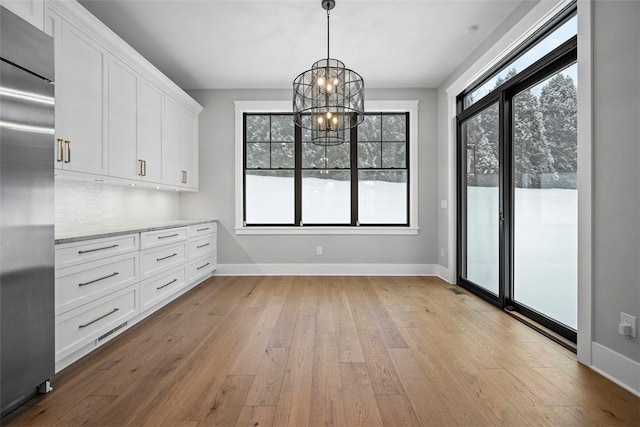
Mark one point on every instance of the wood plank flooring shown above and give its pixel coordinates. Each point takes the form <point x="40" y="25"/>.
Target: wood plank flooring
<point x="344" y="351"/>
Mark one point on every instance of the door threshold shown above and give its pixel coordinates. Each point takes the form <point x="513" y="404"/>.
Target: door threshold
<point x="559" y="339"/>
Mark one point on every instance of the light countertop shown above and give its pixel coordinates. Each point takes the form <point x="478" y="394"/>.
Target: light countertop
<point x="100" y="231"/>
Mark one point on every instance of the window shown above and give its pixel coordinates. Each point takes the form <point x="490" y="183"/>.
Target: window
<point x="288" y="183"/>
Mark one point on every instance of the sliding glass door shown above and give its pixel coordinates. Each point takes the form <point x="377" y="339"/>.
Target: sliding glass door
<point x="517" y="181"/>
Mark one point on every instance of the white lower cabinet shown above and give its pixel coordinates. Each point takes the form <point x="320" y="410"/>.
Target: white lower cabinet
<point x="201" y="267"/>
<point x="94" y="321"/>
<point x="157" y="289"/>
<point x="106" y="285"/>
<point x="156" y="260"/>
<point x="83" y="283"/>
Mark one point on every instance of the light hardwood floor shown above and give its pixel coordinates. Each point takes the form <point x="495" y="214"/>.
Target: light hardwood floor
<point x="347" y="351"/>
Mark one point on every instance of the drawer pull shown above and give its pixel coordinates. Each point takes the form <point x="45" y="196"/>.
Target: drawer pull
<point x="99" y="318"/>
<point x="98" y="249"/>
<point x="200" y="268"/>
<point x="202" y="229"/>
<point x="202" y="246"/>
<point x="164" y="286"/>
<point x="166" y="257"/>
<point x="167" y="236"/>
<point x="97" y="280"/>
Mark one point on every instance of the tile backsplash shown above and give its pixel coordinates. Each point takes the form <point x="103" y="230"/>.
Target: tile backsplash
<point x="86" y="204"/>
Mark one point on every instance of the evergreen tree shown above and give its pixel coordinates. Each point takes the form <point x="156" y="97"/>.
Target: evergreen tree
<point x="487" y="150"/>
<point x="558" y="105"/>
<point x="532" y="156"/>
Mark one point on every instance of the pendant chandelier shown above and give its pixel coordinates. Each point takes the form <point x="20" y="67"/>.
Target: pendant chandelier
<point x="328" y="99"/>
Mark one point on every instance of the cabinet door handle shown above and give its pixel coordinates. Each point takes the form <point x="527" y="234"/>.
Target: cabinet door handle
<point x="164" y="286"/>
<point x="166" y="257"/>
<point x="99" y="318"/>
<point x="202" y="229"/>
<point x="97" y="280"/>
<point x="202" y="246"/>
<point x="144" y="168"/>
<point x="140" y="171"/>
<point x="60" y="150"/>
<point x="184" y="177"/>
<point x="98" y="249"/>
<point x="167" y="236"/>
<point x="201" y="267"/>
<point x="68" y="147"/>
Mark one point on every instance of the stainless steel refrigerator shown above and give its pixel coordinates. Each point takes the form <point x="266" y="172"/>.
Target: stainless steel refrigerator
<point x="26" y="211"/>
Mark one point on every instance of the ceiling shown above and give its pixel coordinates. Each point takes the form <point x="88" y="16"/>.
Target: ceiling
<point x="221" y="44"/>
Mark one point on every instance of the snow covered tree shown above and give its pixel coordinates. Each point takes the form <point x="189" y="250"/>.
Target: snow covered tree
<point x="558" y="105"/>
<point x="532" y="156"/>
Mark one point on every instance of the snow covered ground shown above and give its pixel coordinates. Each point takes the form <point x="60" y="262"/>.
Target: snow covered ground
<point x="545" y="258"/>
<point x="325" y="201"/>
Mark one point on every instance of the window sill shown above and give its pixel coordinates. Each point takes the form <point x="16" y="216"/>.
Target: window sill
<point x="398" y="231"/>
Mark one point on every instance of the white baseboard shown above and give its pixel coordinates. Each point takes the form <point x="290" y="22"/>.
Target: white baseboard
<point x="443" y="273"/>
<point x="328" y="270"/>
<point x="616" y="367"/>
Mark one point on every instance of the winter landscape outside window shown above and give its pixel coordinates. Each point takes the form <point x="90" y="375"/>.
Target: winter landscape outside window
<point x="289" y="181"/>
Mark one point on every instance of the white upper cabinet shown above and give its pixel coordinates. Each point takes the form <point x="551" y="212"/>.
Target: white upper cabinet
<point x="117" y="117"/>
<point x="189" y="149"/>
<point x="150" y="130"/>
<point x="123" y="108"/>
<point x="31" y="11"/>
<point x="80" y="67"/>
<point x="171" y="128"/>
<point x="179" y="146"/>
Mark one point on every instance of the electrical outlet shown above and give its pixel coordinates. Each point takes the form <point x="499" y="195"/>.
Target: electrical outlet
<point x="441" y="253"/>
<point x="319" y="250"/>
<point x="628" y="323"/>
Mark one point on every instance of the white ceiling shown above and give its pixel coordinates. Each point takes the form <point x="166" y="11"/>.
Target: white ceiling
<point x="215" y="44"/>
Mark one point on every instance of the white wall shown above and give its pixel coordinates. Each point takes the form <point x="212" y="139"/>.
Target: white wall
<point x="616" y="164"/>
<point x="82" y="204"/>
<point x="216" y="197"/>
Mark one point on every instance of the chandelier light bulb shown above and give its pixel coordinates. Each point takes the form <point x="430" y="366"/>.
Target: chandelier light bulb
<point x="335" y="82"/>
<point x="329" y="87"/>
<point x="320" y="120"/>
<point x="328" y="114"/>
<point x="335" y="120"/>
<point x="320" y="81"/>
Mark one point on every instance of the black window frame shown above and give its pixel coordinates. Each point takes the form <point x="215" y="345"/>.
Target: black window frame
<point x="353" y="168"/>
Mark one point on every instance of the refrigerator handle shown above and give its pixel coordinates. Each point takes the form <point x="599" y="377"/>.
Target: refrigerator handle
<point x="60" y="150"/>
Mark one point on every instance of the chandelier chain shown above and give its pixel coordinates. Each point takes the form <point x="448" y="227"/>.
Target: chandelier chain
<point x="328" y="11"/>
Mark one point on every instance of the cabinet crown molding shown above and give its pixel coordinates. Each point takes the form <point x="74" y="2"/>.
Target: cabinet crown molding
<point x="74" y="12"/>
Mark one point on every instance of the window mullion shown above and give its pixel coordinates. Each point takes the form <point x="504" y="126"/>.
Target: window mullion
<point x="297" y="185"/>
<point x="353" y="141"/>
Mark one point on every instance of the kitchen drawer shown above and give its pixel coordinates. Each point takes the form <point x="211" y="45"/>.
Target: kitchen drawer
<point x="83" y="283"/>
<point x="77" y="328"/>
<point x="201" y="246"/>
<point x="151" y="239"/>
<point x="202" y="229"/>
<point x="157" y="260"/>
<point x="201" y="267"/>
<point x="156" y="289"/>
<point x="68" y="254"/>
